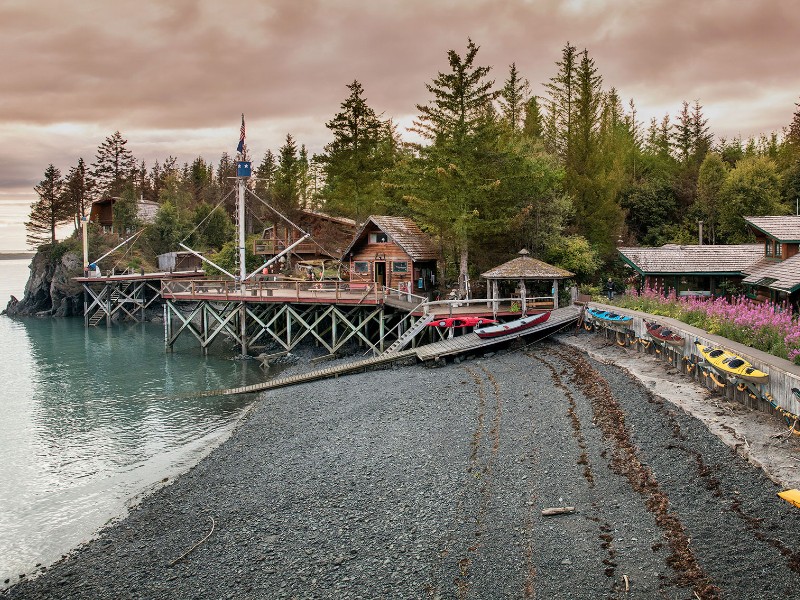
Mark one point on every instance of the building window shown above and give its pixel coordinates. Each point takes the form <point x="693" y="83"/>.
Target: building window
<point x="768" y="248"/>
<point x="400" y="266"/>
<point x="361" y="267"/>
<point x="778" y="250"/>
<point x="378" y="238"/>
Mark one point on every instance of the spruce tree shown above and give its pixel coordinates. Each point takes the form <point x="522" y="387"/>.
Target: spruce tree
<point x="533" y="127"/>
<point x="49" y="211"/>
<point x="287" y="188"/>
<point x="114" y="166"/>
<point x="77" y="192"/>
<point x="353" y="161"/>
<point x="513" y="99"/>
<point x="562" y="89"/>
<point x="451" y="179"/>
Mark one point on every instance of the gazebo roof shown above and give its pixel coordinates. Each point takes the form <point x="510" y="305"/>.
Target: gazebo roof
<point x="525" y="267"/>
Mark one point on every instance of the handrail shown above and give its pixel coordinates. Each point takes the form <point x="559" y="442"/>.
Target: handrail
<point x="400" y="293"/>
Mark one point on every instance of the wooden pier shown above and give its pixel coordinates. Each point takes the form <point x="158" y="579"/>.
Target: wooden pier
<point x="463" y="344"/>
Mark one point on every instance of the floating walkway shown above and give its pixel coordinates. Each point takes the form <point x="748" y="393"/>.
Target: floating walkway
<point x="461" y="344"/>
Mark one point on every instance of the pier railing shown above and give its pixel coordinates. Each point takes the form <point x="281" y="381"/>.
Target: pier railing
<point x="279" y="290"/>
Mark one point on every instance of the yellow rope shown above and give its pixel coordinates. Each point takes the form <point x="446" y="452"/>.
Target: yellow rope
<point x="717" y="381"/>
<point x="646" y="343"/>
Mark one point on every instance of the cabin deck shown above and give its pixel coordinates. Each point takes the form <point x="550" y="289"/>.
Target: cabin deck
<point x="336" y="292"/>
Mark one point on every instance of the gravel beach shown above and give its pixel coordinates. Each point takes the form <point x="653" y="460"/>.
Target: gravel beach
<point x="421" y="482"/>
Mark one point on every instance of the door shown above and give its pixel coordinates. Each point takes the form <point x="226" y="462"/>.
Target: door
<point x="380" y="273"/>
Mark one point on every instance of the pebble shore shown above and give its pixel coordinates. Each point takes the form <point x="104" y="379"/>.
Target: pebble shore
<point x="420" y="482"/>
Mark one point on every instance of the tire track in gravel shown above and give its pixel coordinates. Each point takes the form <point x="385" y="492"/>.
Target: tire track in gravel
<point x="482" y="470"/>
<point x="625" y="461"/>
<point x="707" y="474"/>
<point x="604" y="528"/>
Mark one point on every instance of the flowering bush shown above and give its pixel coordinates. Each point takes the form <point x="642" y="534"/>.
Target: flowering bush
<point x="765" y="326"/>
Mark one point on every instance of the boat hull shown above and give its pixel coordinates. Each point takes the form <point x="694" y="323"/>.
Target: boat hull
<point x="516" y="326"/>
<point x="662" y="334"/>
<point x="731" y="364"/>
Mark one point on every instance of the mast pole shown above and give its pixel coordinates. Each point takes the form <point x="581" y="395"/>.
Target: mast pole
<point x="240" y="223"/>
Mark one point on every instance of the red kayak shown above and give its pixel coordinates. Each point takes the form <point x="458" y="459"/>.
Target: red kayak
<point x="461" y="322"/>
<point x="662" y="334"/>
<point x="512" y="326"/>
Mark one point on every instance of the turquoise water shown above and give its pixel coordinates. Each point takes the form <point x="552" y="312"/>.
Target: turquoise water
<point x="90" y="420"/>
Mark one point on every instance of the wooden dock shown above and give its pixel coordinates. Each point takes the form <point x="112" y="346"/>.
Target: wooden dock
<point x="461" y="344"/>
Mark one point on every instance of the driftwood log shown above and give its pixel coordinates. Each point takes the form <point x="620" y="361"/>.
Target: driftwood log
<point x="558" y="510"/>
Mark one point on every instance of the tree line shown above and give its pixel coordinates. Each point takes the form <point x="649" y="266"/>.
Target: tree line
<point x="569" y="174"/>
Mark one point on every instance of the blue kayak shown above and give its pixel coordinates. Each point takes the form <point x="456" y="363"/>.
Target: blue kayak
<point x="608" y="316"/>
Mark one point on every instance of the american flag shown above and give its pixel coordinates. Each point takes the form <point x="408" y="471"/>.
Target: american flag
<point x="240" y="147"/>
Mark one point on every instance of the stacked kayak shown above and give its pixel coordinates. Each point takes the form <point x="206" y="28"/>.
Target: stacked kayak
<point x="461" y="322"/>
<point x="662" y="334"/>
<point x="608" y="316"/>
<point x="512" y="326"/>
<point x="731" y="364"/>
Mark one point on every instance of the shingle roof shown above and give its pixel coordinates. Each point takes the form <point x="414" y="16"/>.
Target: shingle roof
<point x="405" y="233"/>
<point x="785" y="229"/>
<point x="783" y="276"/>
<point x="672" y="258"/>
<point x="525" y="267"/>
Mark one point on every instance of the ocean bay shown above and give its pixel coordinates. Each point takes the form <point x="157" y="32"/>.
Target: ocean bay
<point x="93" y="417"/>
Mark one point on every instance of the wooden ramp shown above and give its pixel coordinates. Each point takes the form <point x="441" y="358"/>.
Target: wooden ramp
<point x="458" y="345"/>
<point x="465" y="343"/>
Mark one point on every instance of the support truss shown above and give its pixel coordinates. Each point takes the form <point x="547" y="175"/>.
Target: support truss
<point x="284" y="325"/>
<point x="118" y="299"/>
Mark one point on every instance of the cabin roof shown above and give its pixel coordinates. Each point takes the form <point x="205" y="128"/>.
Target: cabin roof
<point x="782" y="276"/>
<point x="672" y="259"/>
<point x="402" y="231"/>
<point x="525" y="267"/>
<point x="327" y="217"/>
<point x="785" y="229"/>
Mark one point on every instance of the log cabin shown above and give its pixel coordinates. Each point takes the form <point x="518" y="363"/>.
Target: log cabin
<point x="395" y="253"/>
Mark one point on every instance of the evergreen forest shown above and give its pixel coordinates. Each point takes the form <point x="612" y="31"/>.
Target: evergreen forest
<point x="569" y="174"/>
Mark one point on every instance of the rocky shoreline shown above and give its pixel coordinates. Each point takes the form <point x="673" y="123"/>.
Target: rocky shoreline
<point x="423" y="482"/>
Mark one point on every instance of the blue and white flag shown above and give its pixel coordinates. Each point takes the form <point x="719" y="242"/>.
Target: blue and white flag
<point x="240" y="147"/>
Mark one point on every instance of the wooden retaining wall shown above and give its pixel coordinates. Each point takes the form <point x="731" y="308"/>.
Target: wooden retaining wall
<point x="783" y="374"/>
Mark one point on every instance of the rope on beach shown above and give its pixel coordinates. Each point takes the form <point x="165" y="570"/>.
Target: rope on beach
<point x="185" y="554"/>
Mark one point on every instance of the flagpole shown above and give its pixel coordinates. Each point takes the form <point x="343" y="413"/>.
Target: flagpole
<point x="240" y="179"/>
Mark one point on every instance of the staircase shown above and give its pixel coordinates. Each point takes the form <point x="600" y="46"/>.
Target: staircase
<point x="409" y="335"/>
<point x="95" y="319"/>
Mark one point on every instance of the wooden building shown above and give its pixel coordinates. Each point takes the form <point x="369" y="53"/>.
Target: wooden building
<point x="393" y="252"/>
<point x="329" y="235"/>
<point x="776" y="275"/>
<point x="692" y="269"/>
<point x="102" y="211"/>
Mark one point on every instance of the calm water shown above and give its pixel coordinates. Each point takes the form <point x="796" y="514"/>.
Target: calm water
<point x="90" y="420"/>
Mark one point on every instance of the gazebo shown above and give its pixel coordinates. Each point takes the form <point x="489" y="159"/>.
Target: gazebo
<point x="522" y="269"/>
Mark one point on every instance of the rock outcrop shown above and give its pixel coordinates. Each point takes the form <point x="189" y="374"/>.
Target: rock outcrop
<point x="50" y="290"/>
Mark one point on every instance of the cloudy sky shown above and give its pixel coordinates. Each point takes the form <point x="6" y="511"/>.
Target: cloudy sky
<point x="174" y="75"/>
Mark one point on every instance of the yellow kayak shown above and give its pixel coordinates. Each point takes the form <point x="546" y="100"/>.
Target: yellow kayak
<point x="791" y="496"/>
<point x="731" y="364"/>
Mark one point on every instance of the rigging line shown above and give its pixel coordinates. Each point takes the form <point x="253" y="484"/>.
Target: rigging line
<point x="269" y="206"/>
<point x="208" y="216"/>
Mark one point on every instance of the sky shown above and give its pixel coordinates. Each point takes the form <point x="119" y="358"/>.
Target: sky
<point x="174" y="76"/>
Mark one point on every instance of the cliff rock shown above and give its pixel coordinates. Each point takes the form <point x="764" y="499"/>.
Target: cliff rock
<point x="50" y="290"/>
